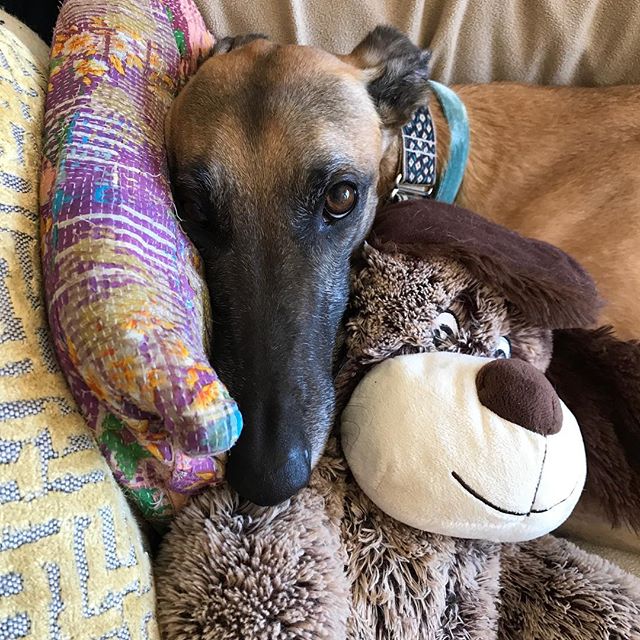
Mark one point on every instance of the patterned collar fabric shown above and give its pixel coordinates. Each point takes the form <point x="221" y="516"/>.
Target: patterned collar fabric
<point x="418" y="177"/>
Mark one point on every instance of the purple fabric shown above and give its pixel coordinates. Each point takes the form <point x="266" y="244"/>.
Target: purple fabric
<point x="126" y="300"/>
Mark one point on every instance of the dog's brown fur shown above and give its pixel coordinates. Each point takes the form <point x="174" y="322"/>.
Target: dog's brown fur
<point x="556" y="163"/>
<point x="259" y="124"/>
<point x="561" y="164"/>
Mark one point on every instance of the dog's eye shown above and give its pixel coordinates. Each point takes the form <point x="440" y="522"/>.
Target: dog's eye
<point x="447" y="327"/>
<point x="340" y="200"/>
<point x="503" y="350"/>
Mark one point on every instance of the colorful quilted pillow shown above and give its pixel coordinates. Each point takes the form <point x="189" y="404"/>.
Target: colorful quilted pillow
<point x="123" y="283"/>
<point x="72" y="562"/>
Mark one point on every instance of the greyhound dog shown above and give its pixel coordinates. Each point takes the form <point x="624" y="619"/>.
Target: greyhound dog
<point x="279" y="156"/>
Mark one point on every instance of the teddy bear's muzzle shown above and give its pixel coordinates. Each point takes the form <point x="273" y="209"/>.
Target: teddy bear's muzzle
<point x="464" y="446"/>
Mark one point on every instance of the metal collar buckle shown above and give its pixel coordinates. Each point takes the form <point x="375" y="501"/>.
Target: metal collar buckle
<point x="406" y="190"/>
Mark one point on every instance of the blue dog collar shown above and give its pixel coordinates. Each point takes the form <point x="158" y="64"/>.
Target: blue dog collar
<point x="418" y="177"/>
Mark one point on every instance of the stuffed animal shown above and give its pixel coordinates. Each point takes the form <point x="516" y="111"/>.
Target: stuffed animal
<point x="463" y="439"/>
<point x="455" y="444"/>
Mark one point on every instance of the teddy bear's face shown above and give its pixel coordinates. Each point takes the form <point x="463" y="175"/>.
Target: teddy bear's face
<point x="455" y="430"/>
<point x="401" y="305"/>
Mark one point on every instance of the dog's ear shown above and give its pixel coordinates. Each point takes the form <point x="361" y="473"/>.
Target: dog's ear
<point x="397" y="73"/>
<point x="225" y="45"/>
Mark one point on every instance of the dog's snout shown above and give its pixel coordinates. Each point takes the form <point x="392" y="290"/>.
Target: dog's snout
<point x="521" y="394"/>
<point x="268" y="477"/>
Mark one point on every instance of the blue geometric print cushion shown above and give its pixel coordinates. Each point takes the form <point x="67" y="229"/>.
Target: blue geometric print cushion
<point x="72" y="564"/>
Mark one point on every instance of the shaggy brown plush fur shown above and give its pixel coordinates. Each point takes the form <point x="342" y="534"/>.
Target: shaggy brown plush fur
<point x="395" y="303"/>
<point x="278" y="575"/>
<point x="225" y="573"/>
<point x="551" y="590"/>
<point x="329" y="563"/>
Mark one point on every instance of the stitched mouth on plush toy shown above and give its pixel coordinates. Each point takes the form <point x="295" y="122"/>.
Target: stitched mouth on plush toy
<point x="482" y="499"/>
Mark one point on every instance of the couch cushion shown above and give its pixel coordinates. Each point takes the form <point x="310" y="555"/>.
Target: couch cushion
<point x="568" y="42"/>
<point x="37" y="48"/>
<point x="71" y="555"/>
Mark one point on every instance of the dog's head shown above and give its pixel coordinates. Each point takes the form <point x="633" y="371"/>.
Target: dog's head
<point x="275" y="155"/>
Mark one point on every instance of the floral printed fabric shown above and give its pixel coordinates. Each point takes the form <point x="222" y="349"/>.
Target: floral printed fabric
<point x="123" y="283"/>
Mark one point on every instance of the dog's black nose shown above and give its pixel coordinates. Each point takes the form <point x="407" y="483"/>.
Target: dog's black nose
<point x="267" y="478"/>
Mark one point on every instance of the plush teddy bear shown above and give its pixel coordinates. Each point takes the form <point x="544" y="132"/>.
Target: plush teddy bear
<point x="467" y="438"/>
<point x="450" y="426"/>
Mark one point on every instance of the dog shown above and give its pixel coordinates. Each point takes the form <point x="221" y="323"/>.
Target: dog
<point x="279" y="157"/>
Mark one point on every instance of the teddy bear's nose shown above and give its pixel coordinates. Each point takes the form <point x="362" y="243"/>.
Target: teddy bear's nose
<point x="520" y="393"/>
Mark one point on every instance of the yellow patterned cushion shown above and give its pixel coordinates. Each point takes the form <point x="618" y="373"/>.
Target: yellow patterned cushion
<point x="72" y="564"/>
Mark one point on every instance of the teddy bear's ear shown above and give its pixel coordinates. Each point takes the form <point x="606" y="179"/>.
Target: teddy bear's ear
<point x="548" y="287"/>
<point x="598" y="378"/>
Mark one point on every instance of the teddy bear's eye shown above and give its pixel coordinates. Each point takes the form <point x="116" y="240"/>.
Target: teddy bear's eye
<point x="503" y="350"/>
<point x="446" y="327"/>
